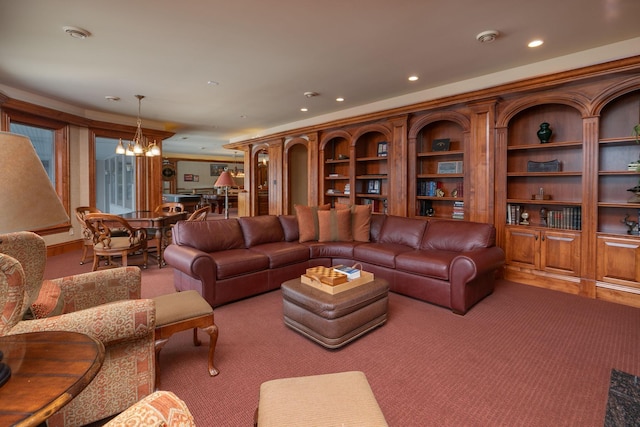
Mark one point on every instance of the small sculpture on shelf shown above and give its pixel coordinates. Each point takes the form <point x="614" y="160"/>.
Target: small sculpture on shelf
<point x="544" y="133"/>
<point x="636" y="197"/>
<point x="632" y="226"/>
<point x="525" y="218"/>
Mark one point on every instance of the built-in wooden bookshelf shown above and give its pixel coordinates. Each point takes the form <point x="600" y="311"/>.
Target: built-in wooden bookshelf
<point x="439" y="170"/>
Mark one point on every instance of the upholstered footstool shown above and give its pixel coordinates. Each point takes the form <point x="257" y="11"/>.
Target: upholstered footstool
<point x="334" y="320"/>
<point x="340" y="399"/>
<point x="181" y="311"/>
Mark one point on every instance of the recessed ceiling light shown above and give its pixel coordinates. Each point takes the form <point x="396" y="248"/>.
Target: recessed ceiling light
<point x="112" y="98"/>
<point x="243" y="116"/>
<point x="76" y="32"/>
<point x="340" y="99"/>
<point x="213" y="83"/>
<point x="311" y="94"/>
<point x="535" y="43"/>
<point x="303" y="109"/>
<point x="413" y="78"/>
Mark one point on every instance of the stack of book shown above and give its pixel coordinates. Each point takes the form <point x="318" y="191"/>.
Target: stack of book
<point x="568" y="218"/>
<point x="513" y="214"/>
<point x="458" y="210"/>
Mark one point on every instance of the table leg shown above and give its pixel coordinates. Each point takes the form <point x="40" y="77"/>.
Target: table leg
<point x="160" y="245"/>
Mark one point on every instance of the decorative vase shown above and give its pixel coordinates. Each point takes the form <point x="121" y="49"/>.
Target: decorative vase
<point x="544" y="133"/>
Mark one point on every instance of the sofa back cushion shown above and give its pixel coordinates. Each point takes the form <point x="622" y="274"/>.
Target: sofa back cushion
<point x="334" y="226"/>
<point x="289" y="225"/>
<point x="308" y="221"/>
<point x="209" y="236"/>
<point x="403" y="231"/>
<point x="458" y="236"/>
<point x="360" y="221"/>
<point x="261" y="229"/>
<point x="375" y="227"/>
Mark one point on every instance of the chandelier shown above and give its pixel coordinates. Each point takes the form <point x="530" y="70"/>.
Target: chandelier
<point x="140" y="146"/>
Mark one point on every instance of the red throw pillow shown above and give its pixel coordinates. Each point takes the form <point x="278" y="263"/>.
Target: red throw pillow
<point x="308" y="221"/>
<point x="334" y="226"/>
<point x="360" y="221"/>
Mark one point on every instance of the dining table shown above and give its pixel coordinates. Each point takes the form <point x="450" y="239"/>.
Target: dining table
<point x="48" y="369"/>
<point x="158" y="223"/>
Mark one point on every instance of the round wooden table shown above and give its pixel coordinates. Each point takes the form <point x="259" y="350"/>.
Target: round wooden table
<point x="48" y="369"/>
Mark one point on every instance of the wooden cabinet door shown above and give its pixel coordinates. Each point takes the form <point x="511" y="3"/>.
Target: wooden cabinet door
<point x="618" y="260"/>
<point x="523" y="247"/>
<point x="560" y="252"/>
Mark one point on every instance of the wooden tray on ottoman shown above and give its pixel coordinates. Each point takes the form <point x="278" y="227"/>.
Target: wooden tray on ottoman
<point x="332" y="282"/>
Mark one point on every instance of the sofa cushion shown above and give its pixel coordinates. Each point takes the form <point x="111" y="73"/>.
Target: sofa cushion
<point x="234" y="262"/>
<point x="308" y="221"/>
<point x="261" y="229"/>
<point x="360" y="220"/>
<point x="330" y="249"/>
<point x="382" y="254"/>
<point x="334" y="226"/>
<point x="209" y="236"/>
<point x="283" y="253"/>
<point x="458" y="236"/>
<point x="289" y="225"/>
<point x="403" y="231"/>
<point x="426" y="263"/>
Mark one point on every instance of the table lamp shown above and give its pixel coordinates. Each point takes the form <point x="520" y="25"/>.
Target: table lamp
<point x="28" y="200"/>
<point x="225" y="180"/>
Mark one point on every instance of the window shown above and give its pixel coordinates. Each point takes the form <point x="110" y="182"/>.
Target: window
<point x="115" y="188"/>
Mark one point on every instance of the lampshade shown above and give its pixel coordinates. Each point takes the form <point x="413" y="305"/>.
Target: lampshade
<point x="225" y="180"/>
<point x="28" y="200"/>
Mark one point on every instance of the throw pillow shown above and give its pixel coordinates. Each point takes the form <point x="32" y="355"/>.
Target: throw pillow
<point x="334" y="226"/>
<point x="308" y="221"/>
<point x="360" y="220"/>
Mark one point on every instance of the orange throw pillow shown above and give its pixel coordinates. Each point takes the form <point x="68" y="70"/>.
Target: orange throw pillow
<point x="360" y="221"/>
<point x="308" y="221"/>
<point x="334" y="226"/>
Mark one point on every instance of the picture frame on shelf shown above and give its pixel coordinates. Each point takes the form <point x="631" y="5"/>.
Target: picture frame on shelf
<point x="382" y="149"/>
<point x="188" y="177"/>
<point x="441" y="144"/>
<point x="373" y="186"/>
<point x="450" y="167"/>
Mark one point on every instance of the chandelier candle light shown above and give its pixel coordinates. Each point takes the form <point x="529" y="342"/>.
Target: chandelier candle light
<point x="140" y="145"/>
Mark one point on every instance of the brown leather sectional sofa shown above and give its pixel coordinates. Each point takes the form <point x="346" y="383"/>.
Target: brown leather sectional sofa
<point x="449" y="263"/>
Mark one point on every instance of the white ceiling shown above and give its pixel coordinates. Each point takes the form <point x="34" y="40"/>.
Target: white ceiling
<point x="265" y="54"/>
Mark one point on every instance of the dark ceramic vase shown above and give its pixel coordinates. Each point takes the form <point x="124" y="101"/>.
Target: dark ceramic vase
<point x="544" y="133"/>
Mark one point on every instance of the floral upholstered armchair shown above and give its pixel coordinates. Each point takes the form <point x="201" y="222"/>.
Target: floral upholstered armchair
<point x="103" y="304"/>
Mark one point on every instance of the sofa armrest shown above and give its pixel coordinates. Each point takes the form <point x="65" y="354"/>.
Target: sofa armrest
<point x="472" y="276"/>
<point x="86" y="290"/>
<point x="109" y="323"/>
<point x="191" y="261"/>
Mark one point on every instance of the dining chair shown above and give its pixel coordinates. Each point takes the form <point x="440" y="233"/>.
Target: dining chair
<point x="171" y="207"/>
<point x="167" y="207"/>
<point x="87" y="235"/>
<point x="105" y="244"/>
<point x="200" y="214"/>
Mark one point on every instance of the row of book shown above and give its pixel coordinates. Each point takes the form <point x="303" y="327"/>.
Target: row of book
<point x="568" y="218"/>
<point x="428" y="188"/>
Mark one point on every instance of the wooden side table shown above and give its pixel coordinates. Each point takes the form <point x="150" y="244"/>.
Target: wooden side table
<point x="48" y="369"/>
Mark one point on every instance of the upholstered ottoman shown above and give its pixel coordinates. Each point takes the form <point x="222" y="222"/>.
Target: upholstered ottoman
<point x="334" y="320"/>
<point x="340" y="399"/>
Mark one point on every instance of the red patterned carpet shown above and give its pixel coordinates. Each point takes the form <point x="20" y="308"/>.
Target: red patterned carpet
<point x="523" y="356"/>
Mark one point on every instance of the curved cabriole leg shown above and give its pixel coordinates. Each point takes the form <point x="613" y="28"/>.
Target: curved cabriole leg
<point x="213" y="339"/>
